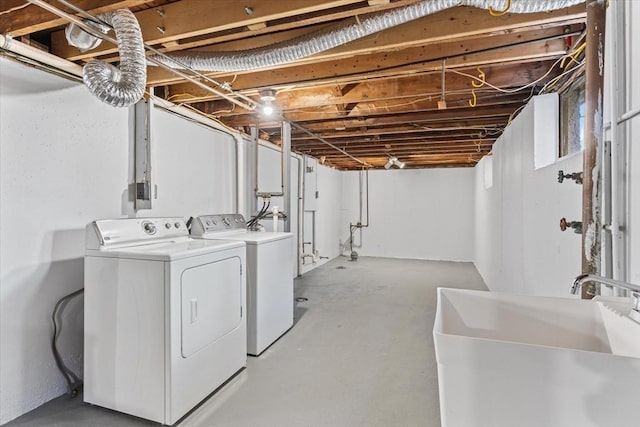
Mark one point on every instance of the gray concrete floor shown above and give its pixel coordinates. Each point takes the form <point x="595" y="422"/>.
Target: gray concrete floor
<point x="360" y="354"/>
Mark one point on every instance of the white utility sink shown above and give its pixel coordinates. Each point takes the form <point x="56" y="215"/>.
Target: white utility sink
<point x="516" y="361"/>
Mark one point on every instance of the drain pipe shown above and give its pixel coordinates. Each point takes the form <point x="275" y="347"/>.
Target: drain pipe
<point x="286" y="173"/>
<point x="359" y="225"/>
<point x="592" y="176"/>
<point x="300" y="206"/>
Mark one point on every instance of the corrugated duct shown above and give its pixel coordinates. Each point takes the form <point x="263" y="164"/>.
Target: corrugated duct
<point x="301" y="47"/>
<point x="123" y="86"/>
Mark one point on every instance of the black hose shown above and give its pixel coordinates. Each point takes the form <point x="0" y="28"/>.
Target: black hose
<point x="254" y="219"/>
<point x="260" y="215"/>
<point x="74" y="383"/>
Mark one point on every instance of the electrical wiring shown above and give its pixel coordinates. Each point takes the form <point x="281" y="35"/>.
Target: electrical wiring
<point x="514" y="90"/>
<point x="13" y="9"/>
<point x="574" y="55"/>
<point x="177" y="95"/>
<point x="553" y="82"/>
<point x="494" y="129"/>
<point x="371" y="108"/>
<point x="74" y="383"/>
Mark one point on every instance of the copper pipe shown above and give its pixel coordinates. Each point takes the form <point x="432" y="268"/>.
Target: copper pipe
<point x="592" y="185"/>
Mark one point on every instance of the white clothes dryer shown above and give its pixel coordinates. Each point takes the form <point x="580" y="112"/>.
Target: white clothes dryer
<point x="270" y="263"/>
<point x="165" y="316"/>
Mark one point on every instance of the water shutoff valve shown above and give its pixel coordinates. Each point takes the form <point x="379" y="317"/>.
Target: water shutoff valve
<point x="575" y="225"/>
<point x="576" y="176"/>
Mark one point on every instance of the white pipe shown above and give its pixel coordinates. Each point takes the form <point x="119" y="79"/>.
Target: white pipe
<point x="300" y="223"/>
<point x="9" y="43"/>
<point x="613" y="111"/>
<point x="628" y="115"/>
<point x="274" y="212"/>
<point x="618" y="140"/>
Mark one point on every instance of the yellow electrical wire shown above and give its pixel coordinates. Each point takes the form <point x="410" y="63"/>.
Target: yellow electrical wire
<point x="573" y="55"/>
<point x="481" y="76"/>
<point x="475" y="99"/>
<point x="494" y="12"/>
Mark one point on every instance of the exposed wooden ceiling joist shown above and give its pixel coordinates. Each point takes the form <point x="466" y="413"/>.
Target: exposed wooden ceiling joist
<point x="373" y="97"/>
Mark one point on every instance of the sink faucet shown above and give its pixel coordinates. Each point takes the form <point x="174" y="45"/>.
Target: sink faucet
<point x="634" y="289"/>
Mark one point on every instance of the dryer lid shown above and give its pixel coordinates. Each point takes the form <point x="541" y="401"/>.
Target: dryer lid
<point x="250" y="237"/>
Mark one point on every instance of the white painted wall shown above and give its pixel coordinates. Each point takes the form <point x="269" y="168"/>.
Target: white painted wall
<point x="322" y="192"/>
<point x="415" y="213"/>
<point x="193" y="167"/>
<point x="64" y="162"/>
<point x="328" y="223"/>
<point x="67" y="159"/>
<point x="519" y="246"/>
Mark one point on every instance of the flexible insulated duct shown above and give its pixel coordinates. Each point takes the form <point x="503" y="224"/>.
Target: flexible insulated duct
<point x="123" y="86"/>
<point x="301" y="47"/>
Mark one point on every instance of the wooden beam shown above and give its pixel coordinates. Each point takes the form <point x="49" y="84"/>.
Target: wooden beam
<point x="382" y="116"/>
<point x="392" y="95"/>
<point x="452" y="24"/>
<point x="491" y="122"/>
<point x="408" y="62"/>
<point x="32" y="18"/>
<point x="192" y="18"/>
<point x="377" y="2"/>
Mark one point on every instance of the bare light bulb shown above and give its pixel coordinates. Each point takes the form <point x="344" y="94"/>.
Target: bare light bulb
<point x="267" y="110"/>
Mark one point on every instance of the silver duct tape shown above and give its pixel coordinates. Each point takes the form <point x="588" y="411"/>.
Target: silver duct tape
<point x="301" y="47"/>
<point x="123" y="86"/>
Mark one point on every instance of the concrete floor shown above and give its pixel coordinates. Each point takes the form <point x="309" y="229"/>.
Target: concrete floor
<point x="360" y="354"/>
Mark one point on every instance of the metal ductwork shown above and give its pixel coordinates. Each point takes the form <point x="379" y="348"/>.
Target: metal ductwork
<point x="301" y="47"/>
<point x="117" y="86"/>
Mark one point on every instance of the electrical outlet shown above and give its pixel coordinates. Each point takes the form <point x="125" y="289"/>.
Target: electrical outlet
<point x="142" y="191"/>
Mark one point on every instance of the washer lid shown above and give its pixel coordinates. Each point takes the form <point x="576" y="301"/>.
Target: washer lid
<point x="250" y="237"/>
<point x="167" y="250"/>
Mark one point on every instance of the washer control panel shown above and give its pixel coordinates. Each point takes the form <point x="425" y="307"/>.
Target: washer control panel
<point x="119" y="232"/>
<point x="217" y="223"/>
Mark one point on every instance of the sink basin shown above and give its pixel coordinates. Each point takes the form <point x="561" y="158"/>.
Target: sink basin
<point x="510" y="360"/>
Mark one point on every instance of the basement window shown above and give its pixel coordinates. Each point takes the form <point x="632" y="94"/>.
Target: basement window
<point x="572" y="105"/>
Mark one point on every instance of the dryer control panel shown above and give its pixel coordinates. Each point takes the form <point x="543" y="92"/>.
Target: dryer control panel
<point x="132" y="231"/>
<point x="216" y="223"/>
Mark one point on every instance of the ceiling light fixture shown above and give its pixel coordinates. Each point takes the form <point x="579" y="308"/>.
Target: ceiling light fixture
<point x="267" y="97"/>
<point x="389" y="163"/>
<point x="394" y="161"/>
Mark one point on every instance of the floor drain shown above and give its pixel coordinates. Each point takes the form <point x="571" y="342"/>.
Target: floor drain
<point x="341" y="267"/>
<point x="302" y="299"/>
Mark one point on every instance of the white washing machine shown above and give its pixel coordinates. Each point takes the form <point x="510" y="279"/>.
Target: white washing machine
<point x="165" y="321"/>
<point x="270" y="262"/>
